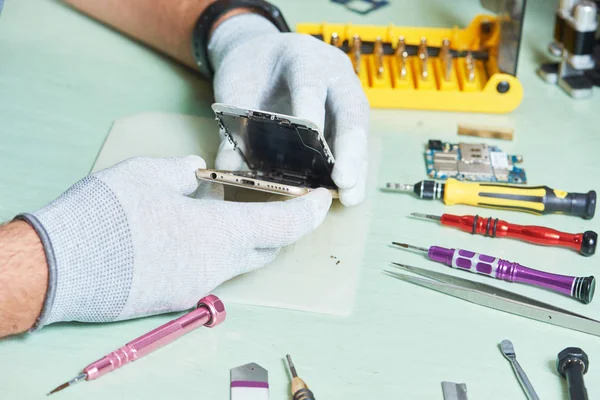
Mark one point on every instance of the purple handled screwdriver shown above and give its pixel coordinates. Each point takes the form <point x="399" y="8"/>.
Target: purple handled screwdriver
<point x="580" y="288"/>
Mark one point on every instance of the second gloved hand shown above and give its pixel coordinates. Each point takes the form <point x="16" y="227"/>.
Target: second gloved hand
<point x="131" y="240"/>
<point x="258" y="67"/>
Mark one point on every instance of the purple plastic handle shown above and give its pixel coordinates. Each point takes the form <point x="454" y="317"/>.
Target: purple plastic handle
<point x="505" y="270"/>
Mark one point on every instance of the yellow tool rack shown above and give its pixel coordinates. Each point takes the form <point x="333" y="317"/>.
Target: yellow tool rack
<point x="477" y="87"/>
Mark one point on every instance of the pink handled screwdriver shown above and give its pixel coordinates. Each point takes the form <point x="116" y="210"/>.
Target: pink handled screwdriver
<point x="209" y="312"/>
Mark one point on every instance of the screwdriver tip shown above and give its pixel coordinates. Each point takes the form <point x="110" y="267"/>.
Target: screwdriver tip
<point x="409" y="246"/>
<point x="65" y="385"/>
<point x="399" y="187"/>
<point x="292" y="367"/>
<point x="427" y="216"/>
<point x="59" y="388"/>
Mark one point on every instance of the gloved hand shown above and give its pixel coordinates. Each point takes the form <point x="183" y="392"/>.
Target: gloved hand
<point x="258" y="67"/>
<point x="130" y="240"/>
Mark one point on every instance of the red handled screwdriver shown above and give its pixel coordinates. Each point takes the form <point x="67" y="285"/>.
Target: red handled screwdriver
<point x="584" y="243"/>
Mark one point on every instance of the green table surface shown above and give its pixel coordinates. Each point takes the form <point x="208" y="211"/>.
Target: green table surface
<point x="65" y="78"/>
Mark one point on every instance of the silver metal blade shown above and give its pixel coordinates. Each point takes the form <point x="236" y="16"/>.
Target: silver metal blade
<point x="507" y="348"/>
<point x="454" y="391"/>
<point x="251" y="372"/>
<point x="398" y="187"/>
<point x="512" y="7"/>
<point x="511" y="17"/>
<point x="497" y="300"/>
<point x="508" y="351"/>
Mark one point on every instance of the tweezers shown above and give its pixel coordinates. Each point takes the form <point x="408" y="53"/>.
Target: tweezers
<point x="498" y="299"/>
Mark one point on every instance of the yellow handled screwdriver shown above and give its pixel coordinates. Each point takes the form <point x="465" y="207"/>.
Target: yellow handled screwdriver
<point x="533" y="199"/>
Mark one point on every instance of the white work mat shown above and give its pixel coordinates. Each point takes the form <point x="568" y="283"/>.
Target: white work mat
<point x="319" y="273"/>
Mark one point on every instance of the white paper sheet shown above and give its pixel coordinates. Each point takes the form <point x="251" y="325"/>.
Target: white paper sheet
<point x="319" y="273"/>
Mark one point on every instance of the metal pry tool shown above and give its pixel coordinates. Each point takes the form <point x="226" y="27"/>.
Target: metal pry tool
<point x="249" y="381"/>
<point x="454" y="391"/>
<point x="210" y="312"/>
<point x="579" y="288"/>
<point x="300" y="390"/>
<point x="507" y="349"/>
<point x="497" y="299"/>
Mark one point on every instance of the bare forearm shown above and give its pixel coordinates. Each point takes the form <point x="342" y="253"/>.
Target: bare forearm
<point x="165" y="25"/>
<point x="23" y="277"/>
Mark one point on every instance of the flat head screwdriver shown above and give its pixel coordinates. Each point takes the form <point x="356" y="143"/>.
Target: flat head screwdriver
<point x="579" y="288"/>
<point x="209" y="312"/>
<point x="584" y="243"/>
<point x="300" y="390"/>
<point x="533" y="199"/>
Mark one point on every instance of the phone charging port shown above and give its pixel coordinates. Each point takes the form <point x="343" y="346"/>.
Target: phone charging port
<point x="247" y="182"/>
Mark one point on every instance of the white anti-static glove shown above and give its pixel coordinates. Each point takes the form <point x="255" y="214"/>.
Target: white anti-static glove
<point x="258" y="67"/>
<point x="139" y="239"/>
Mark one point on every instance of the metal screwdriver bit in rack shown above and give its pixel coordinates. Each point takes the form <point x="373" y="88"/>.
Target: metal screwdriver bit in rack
<point x="448" y="69"/>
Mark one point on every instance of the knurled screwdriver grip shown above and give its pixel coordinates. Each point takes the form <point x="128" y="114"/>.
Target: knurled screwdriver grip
<point x="535" y="199"/>
<point x="585" y="243"/>
<point x="209" y="312"/>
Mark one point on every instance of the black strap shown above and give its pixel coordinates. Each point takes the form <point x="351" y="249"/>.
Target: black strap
<point x="213" y="12"/>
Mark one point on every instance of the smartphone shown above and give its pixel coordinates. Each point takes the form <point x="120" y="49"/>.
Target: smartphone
<point x="284" y="154"/>
<point x="251" y="180"/>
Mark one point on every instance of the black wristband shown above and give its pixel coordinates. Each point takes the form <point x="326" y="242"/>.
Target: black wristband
<point x="217" y="9"/>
